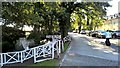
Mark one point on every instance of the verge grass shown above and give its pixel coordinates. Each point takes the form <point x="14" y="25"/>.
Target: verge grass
<point x="50" y="63"/>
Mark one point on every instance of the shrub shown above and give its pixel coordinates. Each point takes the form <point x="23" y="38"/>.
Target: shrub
<point x="37" y="37"/>
<point x="7" y="46"/>
<point x="9" y="37"/>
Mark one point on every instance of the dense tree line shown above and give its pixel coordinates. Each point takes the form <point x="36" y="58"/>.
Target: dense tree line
<point x="9" y="37"/>
<point x="50" y="17"/>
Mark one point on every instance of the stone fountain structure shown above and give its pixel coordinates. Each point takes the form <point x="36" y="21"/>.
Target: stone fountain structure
<point x="23" y="44"/>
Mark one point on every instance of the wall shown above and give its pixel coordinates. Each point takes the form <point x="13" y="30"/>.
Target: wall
<point x="111" y="24"/>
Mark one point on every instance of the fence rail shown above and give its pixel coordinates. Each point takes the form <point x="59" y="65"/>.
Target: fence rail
<point x="39" y="53"/>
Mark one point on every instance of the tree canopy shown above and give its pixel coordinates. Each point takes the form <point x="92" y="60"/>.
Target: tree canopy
<point x="50" y="17"/>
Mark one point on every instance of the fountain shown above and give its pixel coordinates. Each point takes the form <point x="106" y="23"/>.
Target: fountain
<point x="22" y="44"/>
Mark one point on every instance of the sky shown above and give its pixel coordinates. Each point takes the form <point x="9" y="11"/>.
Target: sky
<point x="114" y="9"/>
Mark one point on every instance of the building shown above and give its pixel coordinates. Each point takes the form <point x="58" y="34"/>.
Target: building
<point x="112" y="23"/>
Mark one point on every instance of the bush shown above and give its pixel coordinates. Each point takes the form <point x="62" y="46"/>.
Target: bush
<point x="9" y="37"/>
<point x="37" y="37"/>
<point x="7" y="46"/>
<point x="11" y="34"/>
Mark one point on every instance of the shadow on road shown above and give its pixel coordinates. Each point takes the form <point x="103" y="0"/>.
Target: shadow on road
<point x="113" y="46"/>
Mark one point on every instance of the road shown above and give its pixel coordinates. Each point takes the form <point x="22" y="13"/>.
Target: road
<point x="114" y="41"/>
<point x="83" y="52"/>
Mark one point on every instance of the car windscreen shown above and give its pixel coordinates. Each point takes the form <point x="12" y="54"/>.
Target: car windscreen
<point x="117" y="31"/>
<point x="103" y="32"/>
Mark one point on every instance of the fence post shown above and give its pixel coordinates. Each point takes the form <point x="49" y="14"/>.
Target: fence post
<point x="43" y="51"/>
<point x="62" y="45"/>
<point x="18" y="57"/>
<point x="53" y="50"/>
<point x="57" y="49"/>
<point x="34" y="55"/>
<point x="21" y="57"/>
<point x="4" y="57"/>
<point x="59" y="46"/>
<point x="1" y="59"/>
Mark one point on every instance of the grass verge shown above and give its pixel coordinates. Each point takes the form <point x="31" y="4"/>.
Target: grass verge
<point x="66" y="45"/>
<point x="50" y="63"/>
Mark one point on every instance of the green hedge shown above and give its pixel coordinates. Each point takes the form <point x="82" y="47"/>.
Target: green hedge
<point x="9" y="37"/>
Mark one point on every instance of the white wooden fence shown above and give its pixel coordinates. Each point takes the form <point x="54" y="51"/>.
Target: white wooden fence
<point x="39" y="53"/>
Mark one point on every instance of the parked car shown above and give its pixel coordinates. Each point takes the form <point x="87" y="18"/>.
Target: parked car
<point x="82" y="32"/>
<point x="116" y="34"/>
<point x="88" y="33"/>
<point x="101" y="34"/>
<point x="111" y="31"/>
<point x="74" y="31"/>
<point x="93" y="33"/>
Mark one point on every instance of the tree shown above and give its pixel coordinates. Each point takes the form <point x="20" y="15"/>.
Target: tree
<point x="92" y="11"/>
<point x="47" y="17"/>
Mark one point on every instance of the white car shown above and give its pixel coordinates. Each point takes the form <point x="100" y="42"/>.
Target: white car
<point x="82" y="32"/>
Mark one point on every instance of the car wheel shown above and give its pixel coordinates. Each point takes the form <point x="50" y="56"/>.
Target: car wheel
<point x="101" y="37"/>
<point x="96" y="36"/>
<point x="114" y="36"/>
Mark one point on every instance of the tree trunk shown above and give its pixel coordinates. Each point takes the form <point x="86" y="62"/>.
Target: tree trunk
<point x="79" y="28"/>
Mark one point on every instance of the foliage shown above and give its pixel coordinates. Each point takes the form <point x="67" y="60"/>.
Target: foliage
<point x="9" y="37"/>
<point x="7" y="46"/>
<point x="37" y="37"/>
<point x="90" y="15"/>
<point x="49" y="17"/>
<point x="11" y="34"/>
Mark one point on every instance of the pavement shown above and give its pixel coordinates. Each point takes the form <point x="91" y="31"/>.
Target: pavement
<point x="113" y="41"/>
<point x="83" y="52"/>
<point x="115" y="44"/>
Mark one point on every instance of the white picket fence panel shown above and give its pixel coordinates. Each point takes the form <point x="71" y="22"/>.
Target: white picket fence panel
<point x="10" y="57"/>
<point x="42" y="51"/>
<point x="27" y="54"/>
<point x="46" y="51"/>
